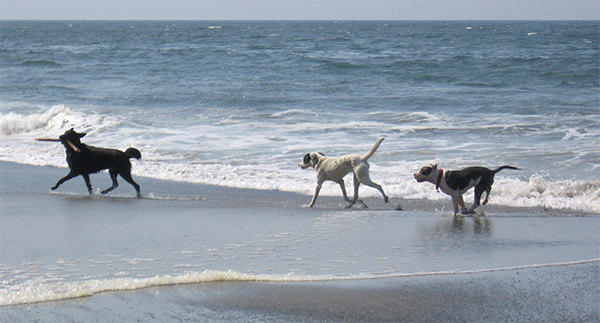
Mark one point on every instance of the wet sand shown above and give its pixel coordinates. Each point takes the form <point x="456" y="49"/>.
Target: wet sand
<point x="529" y="264"/>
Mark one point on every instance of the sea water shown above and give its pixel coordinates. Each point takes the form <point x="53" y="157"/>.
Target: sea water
<point x="240" y="103"/>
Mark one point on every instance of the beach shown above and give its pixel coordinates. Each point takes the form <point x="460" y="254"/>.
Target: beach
<point x="223" y="113"/>
<point x="191" y="252"/>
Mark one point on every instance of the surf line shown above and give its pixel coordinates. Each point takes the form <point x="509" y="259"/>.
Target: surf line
<point x="492" y="270"/>
<point x="289" y="279"/>
<point x="19" y="295"/>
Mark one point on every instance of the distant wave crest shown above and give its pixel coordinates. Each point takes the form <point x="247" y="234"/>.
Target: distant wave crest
<point x="53" y="121"/>
<point x="13" y="123"/>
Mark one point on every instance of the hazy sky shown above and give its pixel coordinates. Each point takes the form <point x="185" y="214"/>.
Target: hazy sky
<point x="301" y="9"/>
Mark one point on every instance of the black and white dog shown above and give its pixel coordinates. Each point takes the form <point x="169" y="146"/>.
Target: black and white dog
<point x="335" y="168"/>
<point x="456" y="182"/>
<point x="84" y="160"/>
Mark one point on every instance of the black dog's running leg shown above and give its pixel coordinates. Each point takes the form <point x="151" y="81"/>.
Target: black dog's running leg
<point x="113" y="176"/>
<point x="88" y="184"/>
<point x="127" y="177"/>
<point x="64" y="179"/>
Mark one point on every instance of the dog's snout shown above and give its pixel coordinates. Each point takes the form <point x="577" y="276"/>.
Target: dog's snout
<point x="306" y="160"/>
<point x="419" y="177"/>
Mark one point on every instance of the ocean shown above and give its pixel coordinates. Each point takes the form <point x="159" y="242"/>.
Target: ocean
<point x="237" y="104"/>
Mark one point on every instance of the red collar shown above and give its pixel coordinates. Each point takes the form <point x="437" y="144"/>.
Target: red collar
<point x="437" y="185"/>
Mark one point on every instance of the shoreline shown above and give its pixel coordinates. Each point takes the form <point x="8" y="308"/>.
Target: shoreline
<point x="216" y="196"/>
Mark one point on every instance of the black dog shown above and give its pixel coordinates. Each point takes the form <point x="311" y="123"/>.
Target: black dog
<point x="84" y="160"/>
<point x="456" y="182"/>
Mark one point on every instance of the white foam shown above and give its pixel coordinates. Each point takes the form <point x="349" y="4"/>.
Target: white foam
<point x="51" y="122"/>
<point x="36" y="292"/>
<point x="540" y="192"/>
<point x="13" y="123"/>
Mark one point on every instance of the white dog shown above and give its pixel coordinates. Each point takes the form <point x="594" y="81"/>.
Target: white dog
<point x="335" y="168"/>
<point x="456" y="182"/>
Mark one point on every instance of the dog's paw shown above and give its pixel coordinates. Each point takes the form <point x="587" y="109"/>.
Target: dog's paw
<point x="359" y="204"/>
<point x="54" y="187"/>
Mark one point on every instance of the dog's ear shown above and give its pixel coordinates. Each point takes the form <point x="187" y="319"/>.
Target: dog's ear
<point x="427" y="169"/>
<point x="81" y="135"/>
<point x="306" y="158"/>
<point x="322" y="154"/>
<point x="434" y="166"/>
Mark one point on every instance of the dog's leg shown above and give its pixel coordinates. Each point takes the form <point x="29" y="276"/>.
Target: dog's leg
<point x="455" y="201"/>
<point x="476" y="202"/>
<point x="461" y="203"/>
<point x="64" y="179"/>
<point x="379" y="188"/>
<point x="113" y="176"/>
<point x="127" y="177"/>
<point x="343" y="187"/>
<point x="356" y="186"/>
<point x="314" y="199"/>
<point x="88" y="184"/>
<point x="487" y="195"/>
<point x="362" y="173"/>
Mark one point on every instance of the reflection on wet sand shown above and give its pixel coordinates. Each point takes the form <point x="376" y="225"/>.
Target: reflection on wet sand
<point x="481" y="224"/>
<point x="458" y="226"/>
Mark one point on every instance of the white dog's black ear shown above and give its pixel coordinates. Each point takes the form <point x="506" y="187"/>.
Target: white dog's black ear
<point x="434" y="166"/>
<point x="306" y="158"/>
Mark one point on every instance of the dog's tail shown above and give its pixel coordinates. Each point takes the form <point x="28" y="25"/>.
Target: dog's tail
<point x="374" y="149"/>
<point x="133" y="153"/>
<point x="505" y="166"/>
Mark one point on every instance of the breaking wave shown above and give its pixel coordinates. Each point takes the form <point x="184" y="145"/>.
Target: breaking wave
<point x="33" y="292"/>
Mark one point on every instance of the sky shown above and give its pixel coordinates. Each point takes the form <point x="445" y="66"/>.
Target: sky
<point x="299" y="10"/>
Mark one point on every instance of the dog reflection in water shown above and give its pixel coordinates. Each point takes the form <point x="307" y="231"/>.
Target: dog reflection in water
<point x="481" y="224"/>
